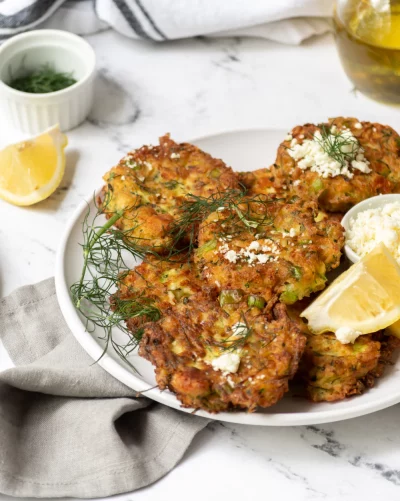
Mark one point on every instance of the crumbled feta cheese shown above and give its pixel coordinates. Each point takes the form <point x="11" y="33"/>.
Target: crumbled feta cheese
<point x="175" y="155"/>
<point x="373" y="226"/>
<point x="231" y="256"/>
<point x="311" y="155"/>
<point x="227" y="363"/>
<point x="247" y="254"/>
<point x="253" y="246"/>
<point x="230" y="382"/>
<point x="358" y="125"/>
<point x="361" y="165"/>
<point x="122" y="178"/>
<point x="347" y="335"/>
<point x="148" y="165"/>
<point x="141" y="178"/>
<point x="296" y="182"/>
<point x="217" y="283"/>
<point x="289" y="137"/>
<point x="293" y="232"/>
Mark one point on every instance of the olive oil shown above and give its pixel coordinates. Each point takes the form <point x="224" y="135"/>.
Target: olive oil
<point x="368" y="41"/>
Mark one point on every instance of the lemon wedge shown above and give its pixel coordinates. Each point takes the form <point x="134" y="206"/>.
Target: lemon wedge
<point x="31" y="170"/>
<point x="364" y="299"/>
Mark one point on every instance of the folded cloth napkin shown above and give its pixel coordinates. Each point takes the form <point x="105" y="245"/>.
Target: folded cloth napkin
<point x="287" y="21"/>
<point x="67" y="428"/>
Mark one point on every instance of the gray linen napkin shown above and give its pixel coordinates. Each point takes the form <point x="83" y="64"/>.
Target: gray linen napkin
<point x="67" y="428"/>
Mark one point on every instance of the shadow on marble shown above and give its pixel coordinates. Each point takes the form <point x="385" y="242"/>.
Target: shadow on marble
<point x="113" y="105"/>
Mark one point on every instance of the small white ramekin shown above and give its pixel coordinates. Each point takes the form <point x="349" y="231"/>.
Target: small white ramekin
<point x="33" y="113"/>
<point x="369" y="203"/>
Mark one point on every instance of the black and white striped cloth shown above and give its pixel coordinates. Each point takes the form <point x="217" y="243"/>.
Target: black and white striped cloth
<point x="287" y="21"/>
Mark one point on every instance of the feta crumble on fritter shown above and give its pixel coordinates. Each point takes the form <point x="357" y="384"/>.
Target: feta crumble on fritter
<point x="228" y="363"/>
<point x="373" y="226"/>
<point x="313" y="153"/>
<point x="254" y="253"/>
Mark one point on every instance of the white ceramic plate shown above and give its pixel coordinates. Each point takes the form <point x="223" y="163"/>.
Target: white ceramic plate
<point x="243" y="150"/>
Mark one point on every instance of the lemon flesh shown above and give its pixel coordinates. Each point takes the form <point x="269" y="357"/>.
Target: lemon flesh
<point x="366" y="298"/>
<point x="31" y="170"/>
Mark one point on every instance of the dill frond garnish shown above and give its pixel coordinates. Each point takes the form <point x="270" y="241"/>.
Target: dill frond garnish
<point x="193" y="211"/>
<point x="108" y="255"/>
<point x="243" y="215"/>
<point x="340" y="147"/>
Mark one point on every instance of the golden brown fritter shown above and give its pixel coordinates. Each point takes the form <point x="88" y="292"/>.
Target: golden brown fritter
<point x="271" y="182"/>
<point x="330" y="371"/>
<point x="149" y="185"/>
<point x="163" y="283"/>
<point x="265" y="182"/>
<point x="194" y="330"/>
<point x="381" y="145"/>
<point x="268" y="248"/>
<point x="333" y="371"/>
<point x="184" y="343"/>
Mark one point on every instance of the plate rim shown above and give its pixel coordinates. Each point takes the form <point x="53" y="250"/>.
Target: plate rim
<point x="117" y="370"/>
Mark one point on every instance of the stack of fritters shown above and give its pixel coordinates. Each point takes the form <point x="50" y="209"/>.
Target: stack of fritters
<point x="263" y="240"/>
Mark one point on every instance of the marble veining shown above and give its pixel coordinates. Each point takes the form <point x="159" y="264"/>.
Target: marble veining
<point x="193" y="88"/>
<point x="113" y="105"/>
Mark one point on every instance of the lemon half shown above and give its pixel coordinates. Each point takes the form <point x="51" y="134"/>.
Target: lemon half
<point x="31" y="170"/>
<point x="366" y="298"/>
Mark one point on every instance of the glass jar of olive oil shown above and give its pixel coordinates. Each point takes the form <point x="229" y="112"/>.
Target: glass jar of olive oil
<point x="368" y="40"/>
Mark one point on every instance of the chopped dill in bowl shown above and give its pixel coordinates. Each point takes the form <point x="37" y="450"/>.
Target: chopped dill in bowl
<point x="42" y="81"/>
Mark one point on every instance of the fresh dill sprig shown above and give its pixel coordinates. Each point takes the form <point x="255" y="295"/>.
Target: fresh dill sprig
<point x="243" y="214"/>
<point x="193" y="211"/>
<point x="236" y="341"/>
<point x="341" y="148"/>
<point x="42" y="81"/>
<point x="106" y="252"/>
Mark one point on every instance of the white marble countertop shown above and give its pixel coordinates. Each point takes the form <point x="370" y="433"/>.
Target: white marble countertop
<point x="194" y="88"/>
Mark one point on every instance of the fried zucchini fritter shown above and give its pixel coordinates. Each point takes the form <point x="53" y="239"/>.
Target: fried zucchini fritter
<point x="184" y="344"/>
<point x="381" y="148"/>
<point x="268" y="248"/>
<point x="163" y="283"/>
<point x="271" y="182"/>
<point x="194" y="331"/>
<point x="149" y="185"/>
<point x="330" y="371"/>
<point x="264" y="182"/>
<point x="333" y="371"/>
